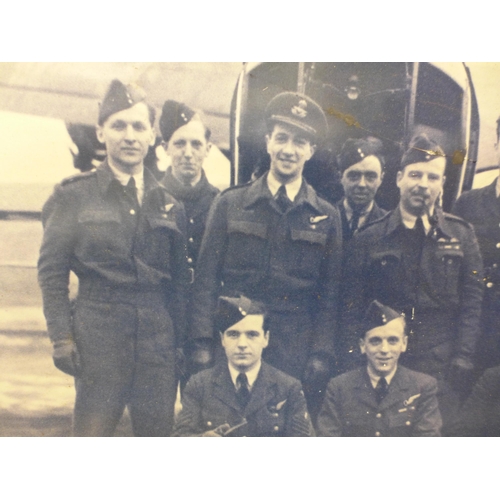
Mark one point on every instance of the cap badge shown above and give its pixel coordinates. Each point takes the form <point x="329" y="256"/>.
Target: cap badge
<point x="360" y="152"/>
<point x="183" y="116"/>
<point x="318" y="218"/>
<point x="300" y="109"/>
<point x="168" y="207"/>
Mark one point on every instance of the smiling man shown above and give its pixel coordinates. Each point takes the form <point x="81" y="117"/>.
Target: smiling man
<point x="381" y="398"/>
<point x="277" y="242"/>
<point x="122" y="234"/>
<point x="362" y="166"/>
<point x="425" y="263"/>
<point x="242" y="395"/>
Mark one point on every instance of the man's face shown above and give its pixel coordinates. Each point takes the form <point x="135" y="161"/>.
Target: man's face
<point x="127" y="135"/>
<point x="188" y="149"/>
<point x="420" y="184"/>
<point x="245" y="341"/>
<point x="361" y="181"/>
<point x="383" y="346"/>
<point x="289" y="149"/>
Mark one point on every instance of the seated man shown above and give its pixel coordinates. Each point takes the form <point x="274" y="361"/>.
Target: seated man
<point x="381" y="399"/>
<point x="243" y="396"/>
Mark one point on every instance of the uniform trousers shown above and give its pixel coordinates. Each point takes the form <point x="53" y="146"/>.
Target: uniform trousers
<point x="127" y="359"/>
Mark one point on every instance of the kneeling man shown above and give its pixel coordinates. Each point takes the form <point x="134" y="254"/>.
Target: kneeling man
<point x="243" y="396"/>
<point x="382" y="398"/>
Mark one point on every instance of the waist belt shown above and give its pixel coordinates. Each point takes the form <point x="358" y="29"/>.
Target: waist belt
<point x="119" y="294"/>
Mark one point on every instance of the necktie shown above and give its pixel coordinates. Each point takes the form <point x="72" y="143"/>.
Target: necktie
<point x="243" y="391"/>
<point x="284" y="203"/>
<point x="356" y="215"/>
<point x="381" y="389"/>
<point x="419" y="229"/>
<point x="131" y="192"/>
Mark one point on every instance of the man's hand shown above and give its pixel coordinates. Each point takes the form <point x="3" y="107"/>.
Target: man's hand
<point x="66" y="357"/>
<point x="200" y="355"/>
<point x="460" y="375"/>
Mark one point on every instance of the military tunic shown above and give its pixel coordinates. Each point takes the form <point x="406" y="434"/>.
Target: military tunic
<point x="289" y="261"/>
<point x="439" y="290"/>
<point x="196" y="201"/>
<point x="129" y="315"/>
<point x="481" y="208"/>
<point x="277" y="406"/>
<point x="410" y="407"/>
<point x="375" y="213"/>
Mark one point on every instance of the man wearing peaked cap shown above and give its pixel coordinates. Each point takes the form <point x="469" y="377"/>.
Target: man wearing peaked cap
<point x="122" y="234"/>
<point x="277" y="242"/>
<point x="186" y="140"/>
<point x="242" y="395"/>
<point x="425" y="263"/>
<point x="382" y="398"/>
<point x="362" y="166"/>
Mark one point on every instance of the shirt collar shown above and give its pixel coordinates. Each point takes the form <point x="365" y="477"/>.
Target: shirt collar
<point x="375" y="378"/>
<point x="349" y="211"/>
<point x="123" y="179"/>
<point x="292" y="188"/>
<point x="409" y="220"/>
<point x="251" y="374"/>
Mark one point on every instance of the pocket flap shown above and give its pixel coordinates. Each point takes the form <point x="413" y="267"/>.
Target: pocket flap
<point x="387" y="255"/>
<point x="159" y="222"/>
<point x="309" y="236"/>
<point x="98" y="216"/>
<point x="247" y="227"/>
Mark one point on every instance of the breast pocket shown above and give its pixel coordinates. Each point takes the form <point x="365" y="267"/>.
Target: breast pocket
<point x="449" y="265"/>
<point x="99" y="235"/>
<point x="384" y="271"/>
<point x="158" y="239"/>
<point x="403" y="419"/>
<point x="247" y="245"/>
<point x="306" y="253"/>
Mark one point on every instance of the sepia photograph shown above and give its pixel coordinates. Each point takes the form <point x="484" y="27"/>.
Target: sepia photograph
<point x="258" y="249"/>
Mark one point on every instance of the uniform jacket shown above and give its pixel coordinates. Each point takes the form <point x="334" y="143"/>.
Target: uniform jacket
<point x="480" y="415"/>
<point x="196" y="201"/>
<point x="375" y="213"/>
<point x="291" y="262"/>
<point x="87" y="231"/>
<point x="441" y="297"/>
<point x="277" y="406"/>
<point x="410" y="408"/>
<point x="481" y="208"/>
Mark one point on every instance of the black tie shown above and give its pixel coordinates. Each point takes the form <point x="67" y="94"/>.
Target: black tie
<point x="243" y="390"/>
<point x="284" y="203"/>
<point x="381" y="389"/>
<point x="356" y="215"/>
<point x="131" y="191"/>
<point x="419" y="229"/>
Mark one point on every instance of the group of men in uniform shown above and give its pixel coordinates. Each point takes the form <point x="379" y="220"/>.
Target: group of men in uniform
<point x="266" y="280"/>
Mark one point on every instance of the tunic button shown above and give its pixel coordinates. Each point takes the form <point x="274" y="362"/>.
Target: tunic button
<point x="209" y="424"/>
<point x="276" y="428"/>
<point x="495" y="266"/>
<point x="190" y="260"/>
<point x="379" y="415"/>
<point x="191" y="221"/>
<point x="275" y="415"/>
<point x="132" y="211"/>
<point x="164" y="216"/>
<point x="489" y="284"/>
<point x="498" y="245"/>
<point x="377" y="434"/>
<point x="190" y="240"/>
<point x="408" y="422"/>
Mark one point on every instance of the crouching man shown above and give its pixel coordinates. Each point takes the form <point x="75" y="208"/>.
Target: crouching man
<point x="243" y="396"/>
<point x="381" y="398"/>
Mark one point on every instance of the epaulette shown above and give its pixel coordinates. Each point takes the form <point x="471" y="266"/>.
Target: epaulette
<point x="77" y="177"/>
<point x="456" y="218"/>
<point x="376" y="221"/>
<point x="237" y="186"/>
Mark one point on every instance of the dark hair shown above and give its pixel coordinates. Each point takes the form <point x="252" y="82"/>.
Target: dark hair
<point x="270" y="124"/>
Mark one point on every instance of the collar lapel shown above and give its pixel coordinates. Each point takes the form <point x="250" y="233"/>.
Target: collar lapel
<point x="397" y="390"/>
<point x="262" y="392"/>
<point x="224" y="389"/>
<point x="363" y="388"/>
